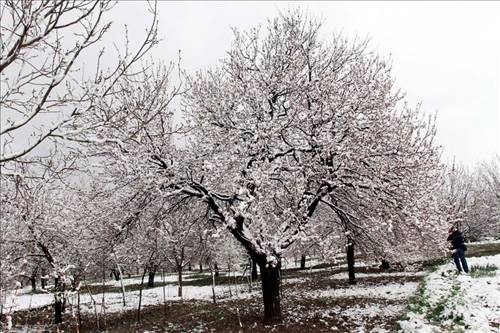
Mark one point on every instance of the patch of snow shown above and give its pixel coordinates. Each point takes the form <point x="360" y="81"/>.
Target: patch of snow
<point x="475" y="300"/>
<point x="393" y="291"/>
<point x="345" y="276"/>
<point x="114" y="301"/>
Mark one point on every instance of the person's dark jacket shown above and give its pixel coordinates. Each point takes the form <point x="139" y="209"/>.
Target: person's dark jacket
<point x="457" y="240"/>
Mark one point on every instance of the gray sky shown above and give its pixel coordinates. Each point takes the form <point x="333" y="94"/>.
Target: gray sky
<point x="445" y="55"/>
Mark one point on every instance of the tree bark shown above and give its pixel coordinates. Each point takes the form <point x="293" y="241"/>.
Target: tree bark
<point x="58" y="303"/>
<point x="33" y="282"/>
<point x="151" y="278"/>
<point x="213" y="283"/>
<point x="58" y="310"/>
<point x="121" y="284"/>
<point x="303" y="261"/>
<point x="116" y="274"/>
<point x="216" y="269"/>
<point x="140" y="296"/>
<point x="201" y="267"/>
<point x="179" y="281"/>
<point x="254" y="270"/>
<point x="350" y="260"/>
<point x="43" y="279"/>
<point x="271" y="278"/>
<point x="385" y="264"/>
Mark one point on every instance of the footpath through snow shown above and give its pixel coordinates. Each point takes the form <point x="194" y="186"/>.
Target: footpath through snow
<point x="451" y="302"/>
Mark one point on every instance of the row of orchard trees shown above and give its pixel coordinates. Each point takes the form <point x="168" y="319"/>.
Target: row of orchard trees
<point x="289" y="138"/>
<point x="472" y="198"/>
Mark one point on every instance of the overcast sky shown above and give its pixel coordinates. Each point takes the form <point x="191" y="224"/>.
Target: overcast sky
<point x="445" y="55"/>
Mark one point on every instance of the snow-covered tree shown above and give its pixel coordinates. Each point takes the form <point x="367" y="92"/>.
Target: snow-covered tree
<point x="39" y="213"/>
<point x="45" y="86"/>
<point x="471" y="198"/>
<point x="285" y="123"/>
<point x="483" y="217"/>
<point x="292" y="122"/>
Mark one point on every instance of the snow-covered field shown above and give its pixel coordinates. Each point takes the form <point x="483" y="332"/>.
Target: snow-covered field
<point x="449" y="302"/>
<point x="394" y="291"/>
<point x="344" y="275"/>
<point x="453" y="302"/>
<point x="113" y="302"/>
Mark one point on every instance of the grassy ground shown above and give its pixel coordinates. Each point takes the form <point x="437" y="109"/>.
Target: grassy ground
<point x="479" y="250"/>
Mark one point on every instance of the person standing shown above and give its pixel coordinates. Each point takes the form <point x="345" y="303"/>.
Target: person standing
<point x="458" y="249"/>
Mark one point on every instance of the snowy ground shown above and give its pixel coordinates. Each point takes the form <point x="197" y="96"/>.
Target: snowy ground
<point x="333" y="306"/>
<point x="395" y="291"/>
<point x="23" y="299"/>
<point x="113" y="302"/>
<point x="314" y="300"/>
<point x="458" y="302"/>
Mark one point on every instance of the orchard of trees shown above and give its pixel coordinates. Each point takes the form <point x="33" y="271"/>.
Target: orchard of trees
<point x="291" y="143"/>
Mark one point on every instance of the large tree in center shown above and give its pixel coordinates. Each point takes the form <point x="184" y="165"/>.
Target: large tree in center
<point x="284" y="124"/>
<point x="287" y="122"/>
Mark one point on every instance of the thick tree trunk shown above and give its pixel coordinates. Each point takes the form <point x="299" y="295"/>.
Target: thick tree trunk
<point x="33" y="282"/>
<point x="151" y="278"/>
<point x="350" y="260"/>
<point x="43" y="279"/>
<point x="58" y="302"/>
<point x="179" y="281"/>
<point x="303" y="262"/>
<point x="271" y="278"/>
<point x="216" y="269"/>
<point x="385" y="264"/>
<point x="116" y="274"/>
<point x="254" y="270"/>
<point x="58" y="306"/>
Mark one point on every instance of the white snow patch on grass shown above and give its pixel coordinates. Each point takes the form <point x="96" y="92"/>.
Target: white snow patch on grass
<point x="113" y="302"/>
<point x="459" y="301"/>
<point x="345" y="276"/>
<point x="391" y="291"/>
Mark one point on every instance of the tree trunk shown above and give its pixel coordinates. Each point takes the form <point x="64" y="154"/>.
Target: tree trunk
<point x="140" y="296"/>
<point x="121" y="284"/>
<point x="151" y="278"/>
<point x="33" y="282"/>
<point x="254" y="270"/>
<point x="385" y="264"/>
<point x="350" y="260"/>
<point x="116" y="274"/>
<point x="43" y="279"/>
<point x="58" y="310"/>
<point x="213" y="283"/>
<point x="216" y="269"/>
<point x="201" y="267"/>
<point x="271" y="278"/>
<point x="303" y="262"/>
<point x="78" y="313"/>
<point x="179" y="280"/>
<point x="164" y="294"/>
<point x="189" y="267"/>
<point x="58" y="303"/>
